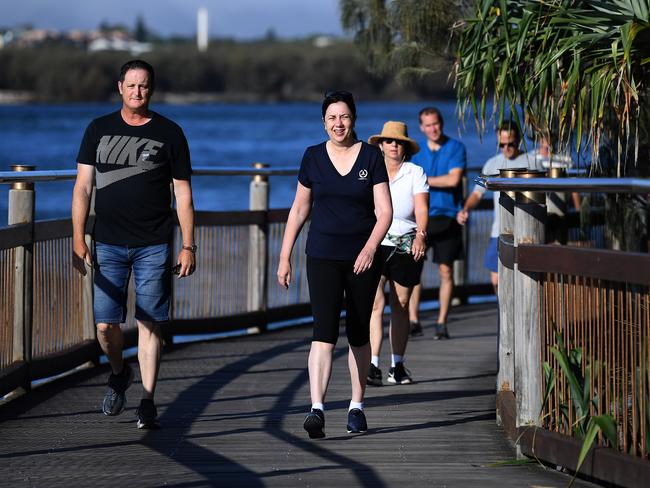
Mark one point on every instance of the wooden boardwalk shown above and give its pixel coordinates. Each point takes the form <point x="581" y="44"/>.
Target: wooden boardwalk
<point x="232" y="415"/>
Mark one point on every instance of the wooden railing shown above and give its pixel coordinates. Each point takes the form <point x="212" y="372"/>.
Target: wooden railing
<point x="597" y="300"/>
<point x="593" y="306"/>
<point x="46" y="322"/>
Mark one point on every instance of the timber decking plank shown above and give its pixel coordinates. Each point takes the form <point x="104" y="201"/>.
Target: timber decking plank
<point x="232" y="414"/>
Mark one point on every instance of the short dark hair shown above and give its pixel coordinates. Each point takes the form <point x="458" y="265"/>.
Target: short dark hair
<point x="339" y="96"/>
<point x="431" y="111"/>
<point x="139" y="64"/>
<point x="510" y="126"/>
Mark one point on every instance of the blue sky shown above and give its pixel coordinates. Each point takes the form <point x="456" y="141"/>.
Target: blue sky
<point x="241" y="19"/>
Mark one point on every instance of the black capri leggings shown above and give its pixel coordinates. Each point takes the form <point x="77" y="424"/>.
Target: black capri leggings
<point x="328" y="281"/>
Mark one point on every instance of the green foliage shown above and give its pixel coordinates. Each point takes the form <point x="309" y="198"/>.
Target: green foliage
<point x="586" y="426"/>
<point x="569" y="64"/>
<point x="642" y="387"/>
<point x="261" y="70"/>
<point x="140" y="31"/>
<point x="410" y="38"/>
<point x="509" y="462"/>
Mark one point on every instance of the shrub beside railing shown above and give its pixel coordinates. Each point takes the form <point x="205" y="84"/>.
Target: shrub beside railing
<point x="593" y="305"/>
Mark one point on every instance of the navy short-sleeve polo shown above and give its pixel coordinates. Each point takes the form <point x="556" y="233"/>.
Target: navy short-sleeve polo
<point x="343" y="211"/>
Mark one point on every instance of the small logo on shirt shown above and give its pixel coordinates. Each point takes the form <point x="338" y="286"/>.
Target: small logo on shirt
<point x="363" y="174"/>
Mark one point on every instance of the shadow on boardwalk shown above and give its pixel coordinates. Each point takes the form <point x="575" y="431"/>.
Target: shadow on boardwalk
<point x="232" y="416"/>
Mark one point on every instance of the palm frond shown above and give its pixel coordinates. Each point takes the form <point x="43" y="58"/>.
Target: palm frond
<point x="566" y="63"/>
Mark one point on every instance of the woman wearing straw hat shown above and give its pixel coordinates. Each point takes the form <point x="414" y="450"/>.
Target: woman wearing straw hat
<point x="401" y="250"/>
<point x="343" y="184"/>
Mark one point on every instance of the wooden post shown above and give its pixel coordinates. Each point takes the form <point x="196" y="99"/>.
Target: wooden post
<point x="506" y="336"/>
<point x="89" y="330"/>
<point x="529" y="228"/>
<point x="506" y="331"/>
<point x="460" y="265"/>
<point x="21" y="210"/>
<point x="556" y="205"/>
<point x="257" y="250"/>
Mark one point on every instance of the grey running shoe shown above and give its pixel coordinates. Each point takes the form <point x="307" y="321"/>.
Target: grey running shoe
<point x="357" y="421"/>
<point x="441" y="332"/>
<point x="399" y="375"/>
<point x="147" y="415"/>
<point x="115" y="398"/>
<point x="416" y="329"/>
<point x="315" y="423"/>
<point x="374" y="376"/>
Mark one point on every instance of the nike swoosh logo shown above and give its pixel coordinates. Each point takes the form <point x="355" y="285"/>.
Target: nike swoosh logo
<point x="104" y="179"/>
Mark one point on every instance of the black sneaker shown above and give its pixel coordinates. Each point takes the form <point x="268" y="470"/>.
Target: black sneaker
<point x="374" y="376"/>
<point x="357" y="421"/>
<point x="399" y="375"/>
<point x="441" y="332"/>
<point x="115" y="398"/>
<point x="416" y="329"/>
<point x="147" y="415"/>
<point x="315" y="423"/>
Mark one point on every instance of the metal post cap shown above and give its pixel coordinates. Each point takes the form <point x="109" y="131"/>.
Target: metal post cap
<point x="22" y="185"/>
<point x="258" y="178"/>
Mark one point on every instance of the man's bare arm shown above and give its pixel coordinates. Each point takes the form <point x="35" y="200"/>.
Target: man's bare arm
<point x="81" y="196"/>
<point x="450" y="180"/>
<point x="185" y="212"/>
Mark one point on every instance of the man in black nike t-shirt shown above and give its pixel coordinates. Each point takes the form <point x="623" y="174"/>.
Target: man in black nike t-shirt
<point x="132" y="155"/>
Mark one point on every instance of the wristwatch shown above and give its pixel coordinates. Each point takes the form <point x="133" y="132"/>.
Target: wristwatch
<point x="191" y="248"/>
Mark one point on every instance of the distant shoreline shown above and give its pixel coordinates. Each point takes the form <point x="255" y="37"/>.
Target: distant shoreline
<point x="12" y="97"/>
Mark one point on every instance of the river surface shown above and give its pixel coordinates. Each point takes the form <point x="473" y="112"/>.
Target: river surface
<point x="48" y="136"/>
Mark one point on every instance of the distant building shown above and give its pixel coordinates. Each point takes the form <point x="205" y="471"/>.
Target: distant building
<point x="97" y="40"/>
<point x="323" y="41"/>
<point x="118" y="44"/>
<point x="28" y="37"/>
<point x="202" y="29"/>
<point x="5" y="38"/>
<point x="33" y="37"/>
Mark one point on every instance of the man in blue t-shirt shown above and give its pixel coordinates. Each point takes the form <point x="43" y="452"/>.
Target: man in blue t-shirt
<point x="443" y="160"/>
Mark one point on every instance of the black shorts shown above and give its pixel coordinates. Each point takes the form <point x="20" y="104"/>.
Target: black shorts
<point x="329" y="282"/>
<point x="445" y="236"/>
<point x="400" y="267"/>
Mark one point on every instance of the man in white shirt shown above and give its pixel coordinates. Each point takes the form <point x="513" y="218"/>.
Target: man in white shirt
<point x="510" y="157"/>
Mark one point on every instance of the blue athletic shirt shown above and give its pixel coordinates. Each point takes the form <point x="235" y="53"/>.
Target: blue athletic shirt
<point x="343" y="210"/>
<point x="452" y="154"/>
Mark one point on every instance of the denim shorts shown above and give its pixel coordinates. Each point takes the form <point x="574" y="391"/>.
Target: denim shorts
<point x="151" y="267"/>
<point x="491" y="260"/>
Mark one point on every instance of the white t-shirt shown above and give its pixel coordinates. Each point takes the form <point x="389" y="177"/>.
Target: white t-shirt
<point x="409" y="181"/>
<point x="559" y="160"/>
<point x="492" y="167"/>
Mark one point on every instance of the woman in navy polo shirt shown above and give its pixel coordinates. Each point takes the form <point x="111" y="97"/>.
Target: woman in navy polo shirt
<point x="343" y="184"/>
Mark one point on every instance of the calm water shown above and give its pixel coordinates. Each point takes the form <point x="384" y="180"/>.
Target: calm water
<point x="48" y="136"/>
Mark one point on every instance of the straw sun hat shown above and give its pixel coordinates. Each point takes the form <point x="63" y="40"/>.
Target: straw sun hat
<point x="398" y="131"/>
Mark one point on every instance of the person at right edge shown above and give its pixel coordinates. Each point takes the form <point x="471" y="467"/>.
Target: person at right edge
<point x="343" y="184"/>
<point x="443" y="160"/>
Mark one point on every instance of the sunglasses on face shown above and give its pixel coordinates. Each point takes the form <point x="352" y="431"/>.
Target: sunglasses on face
<point x="507" y="144"/>
<point x="390" y="141"/>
